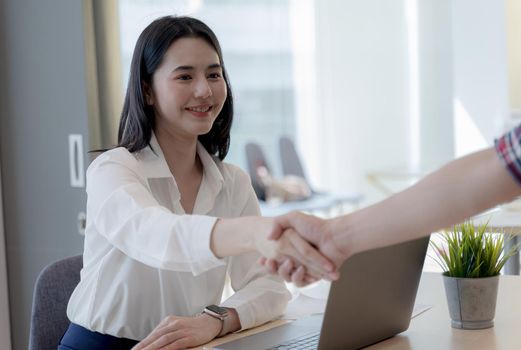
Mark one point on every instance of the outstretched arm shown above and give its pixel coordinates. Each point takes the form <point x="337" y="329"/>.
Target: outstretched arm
<point x="460" y="189"/>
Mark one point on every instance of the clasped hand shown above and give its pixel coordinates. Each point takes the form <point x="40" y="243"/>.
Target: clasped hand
<point x="303" y="249"/>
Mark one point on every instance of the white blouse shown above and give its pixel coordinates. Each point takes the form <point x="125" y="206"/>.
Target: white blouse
<point x="145" y="259"/>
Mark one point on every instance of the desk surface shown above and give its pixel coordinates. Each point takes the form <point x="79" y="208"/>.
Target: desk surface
<point x="432" y="330"/>
<point x="317" y="202"/>
<point x="505" y="218"/>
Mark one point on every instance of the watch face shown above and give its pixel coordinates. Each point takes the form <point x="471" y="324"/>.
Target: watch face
<point x="217" y="309"/>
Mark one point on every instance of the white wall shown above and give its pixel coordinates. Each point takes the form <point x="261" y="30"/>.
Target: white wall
<point x="365" y="95"/>
<point x="362" y="110"/>
<point x="480" y="72"/>
<point x="435" y="83"/>
<point x="513" y="11"/>
<point x="393" y="76"/>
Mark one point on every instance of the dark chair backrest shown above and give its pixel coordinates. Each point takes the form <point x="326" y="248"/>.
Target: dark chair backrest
<point x="289" y="158"/>
<point x="255" y="158"/>
<point x="52" y="291"/>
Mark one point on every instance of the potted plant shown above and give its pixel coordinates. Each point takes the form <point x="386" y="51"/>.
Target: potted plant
<point x="472" y="260"/>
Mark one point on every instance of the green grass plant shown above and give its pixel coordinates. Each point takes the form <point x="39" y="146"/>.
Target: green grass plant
<point x="470" y="252"/>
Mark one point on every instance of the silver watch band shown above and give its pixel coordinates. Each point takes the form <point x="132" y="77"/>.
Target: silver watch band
<point x="223" y="317"/>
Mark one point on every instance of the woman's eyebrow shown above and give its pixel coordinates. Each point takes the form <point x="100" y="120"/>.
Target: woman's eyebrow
<point x="185" y="68"/>
<point x="182" y="68"/>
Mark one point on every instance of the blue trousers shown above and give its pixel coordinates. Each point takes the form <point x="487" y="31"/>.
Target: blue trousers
<point x="80" y="338"/>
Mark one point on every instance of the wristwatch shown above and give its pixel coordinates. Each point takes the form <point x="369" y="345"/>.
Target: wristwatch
<point x="220" y="313"/>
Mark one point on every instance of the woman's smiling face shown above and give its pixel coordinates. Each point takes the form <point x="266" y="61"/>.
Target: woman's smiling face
<point x="188" y="88"/>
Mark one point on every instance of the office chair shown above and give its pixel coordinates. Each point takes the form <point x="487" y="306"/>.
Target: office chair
<point x="291" y="165"/>
<point x="52" y="291"/>
<point x="255" y="158"/>
<point x="316" y="203"/>
<point x="289" y="159"/>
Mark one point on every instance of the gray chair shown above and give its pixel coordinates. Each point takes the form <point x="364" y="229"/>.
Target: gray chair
<point x="291" y="165"/>
<point x="289" y="159"/>
<point x="317" y="203"/>
<point x="52" y="291"/>
<point x="255" y="158"/>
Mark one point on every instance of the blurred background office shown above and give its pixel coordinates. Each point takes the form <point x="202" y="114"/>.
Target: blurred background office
<point x="375" y="93"/>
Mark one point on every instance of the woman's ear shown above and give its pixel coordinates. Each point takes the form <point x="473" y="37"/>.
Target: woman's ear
<point x="148" y="94"/>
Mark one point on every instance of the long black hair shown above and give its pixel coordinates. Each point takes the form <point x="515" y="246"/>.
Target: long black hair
<point x="137" y="118"/>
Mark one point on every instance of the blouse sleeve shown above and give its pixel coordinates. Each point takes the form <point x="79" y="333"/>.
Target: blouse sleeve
<point x="508" y="148"/>
<point x="259" y="297"/>
<point x="121" y="209"/>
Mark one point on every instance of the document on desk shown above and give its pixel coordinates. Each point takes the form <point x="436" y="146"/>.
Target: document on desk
<point x="303" y="305"/>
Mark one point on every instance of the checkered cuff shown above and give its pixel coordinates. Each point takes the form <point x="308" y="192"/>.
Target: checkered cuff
<point x="508" y="148"/>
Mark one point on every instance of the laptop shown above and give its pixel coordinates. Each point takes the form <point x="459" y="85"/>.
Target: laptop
<point x="373" y="300"/>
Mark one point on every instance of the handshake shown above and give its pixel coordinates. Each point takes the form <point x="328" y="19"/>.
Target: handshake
<point x="302" y="248"/>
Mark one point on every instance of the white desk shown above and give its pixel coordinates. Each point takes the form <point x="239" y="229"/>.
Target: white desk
<point x="318" y="202"/>
<point x="431" y="330"/>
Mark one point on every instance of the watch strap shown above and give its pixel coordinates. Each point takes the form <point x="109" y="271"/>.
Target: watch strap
<point x="222" y="316"/>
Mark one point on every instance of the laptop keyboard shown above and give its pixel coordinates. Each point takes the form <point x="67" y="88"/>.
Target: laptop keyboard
<point x="309" y="341"/>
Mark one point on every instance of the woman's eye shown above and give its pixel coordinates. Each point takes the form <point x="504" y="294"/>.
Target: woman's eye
<point x="184" y="77"/>
<point x="214" y="75"/>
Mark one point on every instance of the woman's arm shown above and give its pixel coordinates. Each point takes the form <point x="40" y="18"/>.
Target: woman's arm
<point x="258" y="297"/>
<point x="122" y="209"/>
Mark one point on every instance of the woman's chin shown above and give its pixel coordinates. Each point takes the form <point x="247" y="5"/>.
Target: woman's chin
<point x="202" y="129"/>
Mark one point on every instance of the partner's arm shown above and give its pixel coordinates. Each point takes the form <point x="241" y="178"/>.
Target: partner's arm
<point x="460" y="189"/>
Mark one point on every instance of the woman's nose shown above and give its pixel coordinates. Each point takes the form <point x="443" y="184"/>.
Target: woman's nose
<point x="202" y="89"/>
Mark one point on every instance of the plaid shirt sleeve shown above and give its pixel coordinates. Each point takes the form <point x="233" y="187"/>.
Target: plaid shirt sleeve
<point x="508" y="148"/>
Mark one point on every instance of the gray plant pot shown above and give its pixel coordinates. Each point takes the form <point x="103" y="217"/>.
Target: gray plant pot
<point x="471" y="301"/>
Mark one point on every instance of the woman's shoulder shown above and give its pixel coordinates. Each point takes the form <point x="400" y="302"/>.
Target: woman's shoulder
<point x="118" y="155"/>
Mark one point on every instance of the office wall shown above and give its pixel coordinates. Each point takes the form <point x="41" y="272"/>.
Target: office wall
<point x="435" y="89"/>
<point x="367" y="99"/>
<point x="392" y="90"/>
<point x="47" y="91"/>
<point x="362" y="109"/>
<point x="513" y="13"/>
<point x="480" y="72"/>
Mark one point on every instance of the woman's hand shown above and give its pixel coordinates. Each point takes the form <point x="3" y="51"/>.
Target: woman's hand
<point x="314" y="230"/>
<point x="296" y="260"/>
<point x="289" y="271"/>
<point x="176" y="332"/>
<point x="245" y="234"/>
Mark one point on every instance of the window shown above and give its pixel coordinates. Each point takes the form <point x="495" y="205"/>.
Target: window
<point x="259" y="49"/>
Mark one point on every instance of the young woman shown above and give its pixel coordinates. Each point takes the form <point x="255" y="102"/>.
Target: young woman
<point x="161" y="233"/>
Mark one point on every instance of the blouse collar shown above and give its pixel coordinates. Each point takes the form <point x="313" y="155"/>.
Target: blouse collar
<point x="156" y="167"/>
